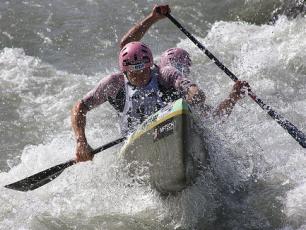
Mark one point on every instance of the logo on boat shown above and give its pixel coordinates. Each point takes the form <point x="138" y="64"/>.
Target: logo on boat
<point x="150" y="120"/>
<point x="164" y="111"/>
<point x="164" y="129"/>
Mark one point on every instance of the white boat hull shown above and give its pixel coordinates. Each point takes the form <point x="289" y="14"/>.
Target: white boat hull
<point x="169" y="144"/>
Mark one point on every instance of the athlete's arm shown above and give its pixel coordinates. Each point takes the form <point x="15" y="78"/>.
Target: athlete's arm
<point x="107" y="87"/>
<point x="138" y="31"/>
<point x="78" y="122"/>
<point x="225" y="108"/>
<point x="170" y="77"/>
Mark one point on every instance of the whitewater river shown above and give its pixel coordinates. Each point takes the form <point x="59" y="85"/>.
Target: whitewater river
<point x="53" y="52"/>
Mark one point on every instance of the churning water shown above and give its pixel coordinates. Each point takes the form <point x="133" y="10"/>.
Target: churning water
<point x="53" y="52"/>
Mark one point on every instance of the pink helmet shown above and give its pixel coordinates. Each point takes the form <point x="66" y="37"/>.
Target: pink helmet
<point x="135" y="56"/>
<point x="175" y="56"/>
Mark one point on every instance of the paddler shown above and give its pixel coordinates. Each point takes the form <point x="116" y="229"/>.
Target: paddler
<point x="180" y="60"/>
<point x="142" y="87"/>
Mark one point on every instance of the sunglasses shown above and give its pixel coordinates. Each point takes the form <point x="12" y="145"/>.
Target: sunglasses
<point x="136" y="65"/>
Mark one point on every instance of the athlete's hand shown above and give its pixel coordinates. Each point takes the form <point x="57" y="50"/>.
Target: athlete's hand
<point x="83" y="152"/>
<point x="240" y="90"/>
<point x="195" y="95"/>
<point x="160" y="11"/>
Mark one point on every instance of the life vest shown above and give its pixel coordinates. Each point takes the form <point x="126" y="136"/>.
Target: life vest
<point x="140" y="103"/>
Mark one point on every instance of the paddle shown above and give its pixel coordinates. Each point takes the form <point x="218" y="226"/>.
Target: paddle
<point x="39" y="179"/>
<point x="287" y="125"/>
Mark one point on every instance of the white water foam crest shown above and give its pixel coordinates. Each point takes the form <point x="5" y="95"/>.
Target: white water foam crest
<point x="40" y="95"/>
<point x="259" y="58"/>
<point x="37" y="100"/>
<point x="89" y="189"/>
<point x="295" y="205"/>
<point x="257" y="51"/>
<point x="42" y="89"/>
<point x="272" y="59"/>
<point x="15" y="66"/>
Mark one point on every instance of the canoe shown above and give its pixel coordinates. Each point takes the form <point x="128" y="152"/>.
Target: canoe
<point x="169" y="145"/>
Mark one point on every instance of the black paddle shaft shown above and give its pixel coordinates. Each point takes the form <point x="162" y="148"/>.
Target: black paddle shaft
<point x="108" y="145"/>
<point x="298" y="135"/>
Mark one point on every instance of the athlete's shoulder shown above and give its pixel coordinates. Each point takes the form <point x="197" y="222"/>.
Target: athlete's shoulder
<point x="114" y="79"/>
<point x="169" y="71"/>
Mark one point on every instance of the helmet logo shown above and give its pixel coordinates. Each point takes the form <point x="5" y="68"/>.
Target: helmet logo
<point x="136" y="67"/>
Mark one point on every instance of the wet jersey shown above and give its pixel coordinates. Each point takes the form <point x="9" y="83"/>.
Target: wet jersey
<point x="134" y="104"/>
<point x="140" y="103"/>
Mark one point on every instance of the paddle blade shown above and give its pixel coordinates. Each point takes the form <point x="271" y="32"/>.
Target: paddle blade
<point x="39" y="179"/>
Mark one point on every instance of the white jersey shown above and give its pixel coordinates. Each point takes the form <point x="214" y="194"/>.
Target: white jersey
<point x="140" y="103"/>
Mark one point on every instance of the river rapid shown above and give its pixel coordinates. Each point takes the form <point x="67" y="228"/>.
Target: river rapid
<point x="53" y="52"/>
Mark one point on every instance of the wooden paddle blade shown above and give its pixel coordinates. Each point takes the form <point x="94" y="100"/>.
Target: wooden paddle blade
<point x="39" y="179"/>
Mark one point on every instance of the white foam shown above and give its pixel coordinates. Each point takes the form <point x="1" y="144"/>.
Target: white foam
<point x="264" y="55"/>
